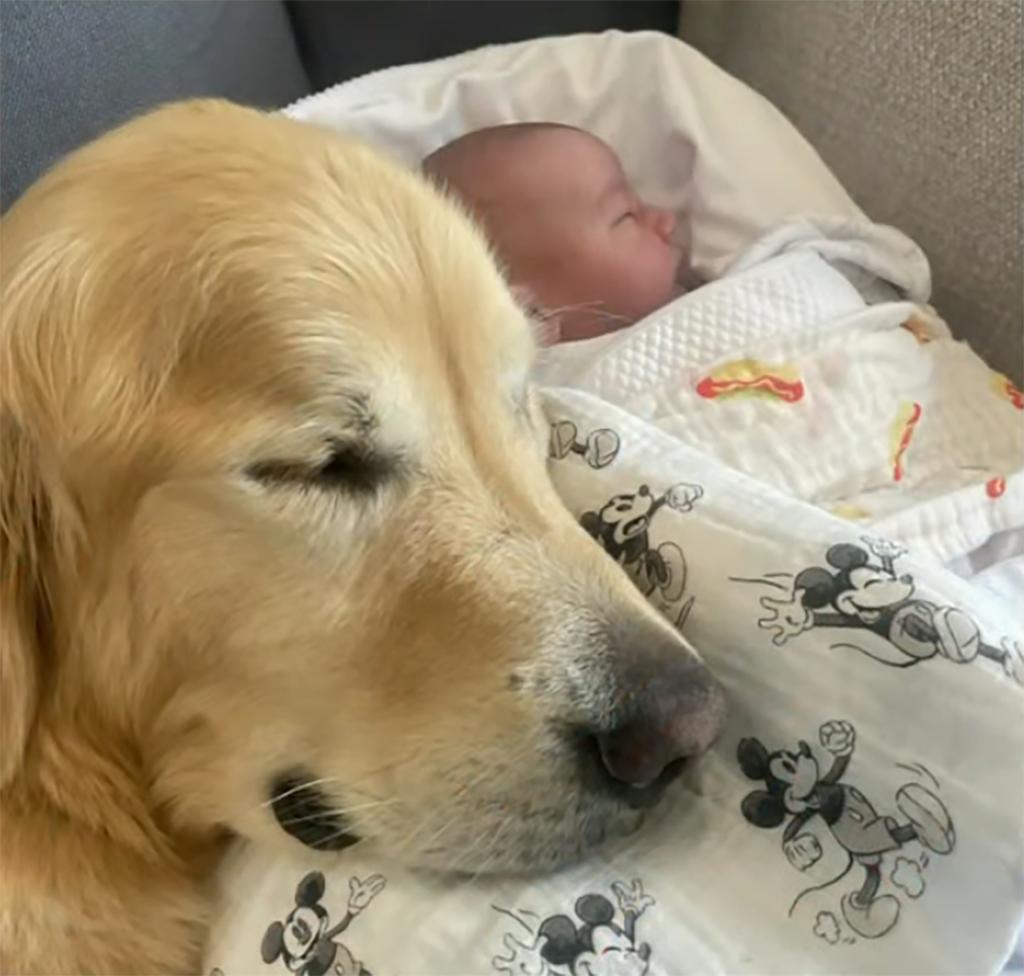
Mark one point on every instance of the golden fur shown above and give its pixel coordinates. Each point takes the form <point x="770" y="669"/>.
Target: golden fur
<point x="199" y="309"/>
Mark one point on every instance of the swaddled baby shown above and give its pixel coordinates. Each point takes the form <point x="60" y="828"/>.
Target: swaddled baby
<point x="571" y="231"/>
<point x="810" y="365"/>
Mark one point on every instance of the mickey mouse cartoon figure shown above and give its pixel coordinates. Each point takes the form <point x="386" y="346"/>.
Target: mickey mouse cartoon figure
<point x="622" y="526"/>
<point x="796" y="788"/>
<point x="859" y="592"/>
<point x="599" y="449"/>
<point x="306" y="941"/>
<point x="596" y="945"/>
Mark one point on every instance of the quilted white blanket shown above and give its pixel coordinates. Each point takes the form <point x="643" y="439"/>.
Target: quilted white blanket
<point x="794" y="369"/>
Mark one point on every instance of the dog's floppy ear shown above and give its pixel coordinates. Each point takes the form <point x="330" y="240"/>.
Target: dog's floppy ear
<point x="24" y="612"/>
<point x="40" y="523"/>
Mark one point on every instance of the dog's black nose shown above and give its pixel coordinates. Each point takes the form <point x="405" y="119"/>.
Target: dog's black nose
<point x="669" y="709"/>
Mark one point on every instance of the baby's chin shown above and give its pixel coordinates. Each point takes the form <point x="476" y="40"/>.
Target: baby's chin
<point x="673" y="290"/>
<point x="686" y="280"/>
<point x="576" y="328"/>
<point x="577" y="324"/>
<point x="677" y="291"/>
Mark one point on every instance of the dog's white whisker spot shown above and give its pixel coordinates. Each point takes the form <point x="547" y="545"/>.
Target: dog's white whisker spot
<point x="298" y="788"/>
<point x="340" y="811"/>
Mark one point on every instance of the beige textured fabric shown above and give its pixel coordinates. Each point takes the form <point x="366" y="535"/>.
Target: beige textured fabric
<point x="917" y="105"/>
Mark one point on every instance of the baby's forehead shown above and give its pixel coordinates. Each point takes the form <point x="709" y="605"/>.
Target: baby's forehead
<point x="526" y="163"/>
<point x="556" y="146"/>
<point x="553" y="164"/>
<point x="564" y="138"/>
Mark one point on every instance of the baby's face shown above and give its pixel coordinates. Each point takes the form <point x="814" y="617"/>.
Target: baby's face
<point x="575" y="234"/>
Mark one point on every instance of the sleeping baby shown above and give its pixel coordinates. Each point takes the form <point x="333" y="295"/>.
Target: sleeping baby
<point x="573" y="234"/>
<point x="811" y="364"/>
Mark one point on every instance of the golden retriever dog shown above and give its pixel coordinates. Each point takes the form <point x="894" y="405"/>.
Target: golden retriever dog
<point x="280" y="556"/>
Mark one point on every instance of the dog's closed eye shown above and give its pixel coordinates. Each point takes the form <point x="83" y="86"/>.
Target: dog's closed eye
<point x="347" y="467"/>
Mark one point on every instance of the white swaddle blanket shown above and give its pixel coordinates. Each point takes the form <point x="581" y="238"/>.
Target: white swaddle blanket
<point x="863" y="811"/>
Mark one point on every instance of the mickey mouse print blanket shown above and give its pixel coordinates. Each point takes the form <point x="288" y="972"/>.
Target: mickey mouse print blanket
<point x="861" y="814"/>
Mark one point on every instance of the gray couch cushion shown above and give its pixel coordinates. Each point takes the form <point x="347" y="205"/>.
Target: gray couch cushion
<point x="74" y="69"/>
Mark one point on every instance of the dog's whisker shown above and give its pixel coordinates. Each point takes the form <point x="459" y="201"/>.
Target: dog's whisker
<point x="433" y="838"/>
<point x="298" y="788"/>
<point x="613" y="316"/>
<point x="341" y="811"/>
<point x="348" y="783"/>
<point x="348" y="847"/>
<point x="429" y="845"/>
<point x="546" y="313"/>
<point x="372" y="804"/>
<point x="466" y="787"/>
<point x="546" y="317"/>
<point x="407" y="843"/>
<point x="340" y="832"/>
<point x="472" y="849"/>
<point x="485" y="861"/>
<point x="386" y="767"/>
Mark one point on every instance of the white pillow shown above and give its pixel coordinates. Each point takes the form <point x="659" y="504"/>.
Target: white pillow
<point x="690" y="136"/>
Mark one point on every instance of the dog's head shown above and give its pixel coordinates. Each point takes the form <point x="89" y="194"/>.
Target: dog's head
<point x="279" y="548"/>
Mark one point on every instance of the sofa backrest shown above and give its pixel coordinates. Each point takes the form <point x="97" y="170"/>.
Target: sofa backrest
<point x="918" y="107"/>
<point x="72" y="70"/>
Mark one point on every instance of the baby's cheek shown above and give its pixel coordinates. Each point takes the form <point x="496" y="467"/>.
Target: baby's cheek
<point x="655" y="276"/>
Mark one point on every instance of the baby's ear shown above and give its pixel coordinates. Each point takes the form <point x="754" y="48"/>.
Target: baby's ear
<point x="32" y="509"/>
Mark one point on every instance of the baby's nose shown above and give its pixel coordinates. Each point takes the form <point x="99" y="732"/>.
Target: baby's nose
<point x="662" y="222"/>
